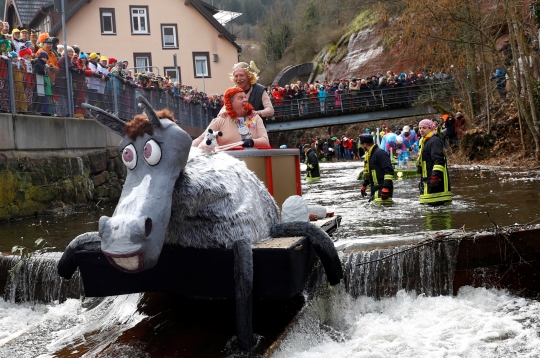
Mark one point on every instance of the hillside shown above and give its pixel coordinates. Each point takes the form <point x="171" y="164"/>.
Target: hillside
<point x="403" y="37"/>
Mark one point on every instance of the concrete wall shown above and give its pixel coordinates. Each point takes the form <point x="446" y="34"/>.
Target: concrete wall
<point x="7" y="142"/>
<point x="23" y="132"/>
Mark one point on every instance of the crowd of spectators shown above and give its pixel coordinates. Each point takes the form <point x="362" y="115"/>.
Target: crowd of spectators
<point x="402" y="138"/>
<point x="38" y="63"/>
<point x="300" y="99"/>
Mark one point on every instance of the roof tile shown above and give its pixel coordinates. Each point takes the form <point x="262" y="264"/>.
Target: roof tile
<point x="28" y="8"/>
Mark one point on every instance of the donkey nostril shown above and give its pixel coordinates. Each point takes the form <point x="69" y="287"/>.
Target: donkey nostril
<point x="147" y="226"/>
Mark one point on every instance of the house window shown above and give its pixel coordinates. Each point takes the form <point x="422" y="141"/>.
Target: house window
<point x="47" y="24"/>
<point x="169" y="36"/>
<point x="201" y="64"/>
<point x="108" y="21"/>
<point x="143" y="61"/>
<point x="172" y="74"/>
<point x="139" y="20"/>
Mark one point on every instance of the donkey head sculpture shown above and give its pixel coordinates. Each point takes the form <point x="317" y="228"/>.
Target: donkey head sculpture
<point x="155" y="151"/>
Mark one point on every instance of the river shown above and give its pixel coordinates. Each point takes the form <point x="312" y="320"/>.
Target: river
<point x="475" y="323"/>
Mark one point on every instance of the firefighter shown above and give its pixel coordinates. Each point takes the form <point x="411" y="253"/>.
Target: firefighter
<point x="434" y="182"/>
<point x="313" y="171"/>
<point x="378" y="172"/>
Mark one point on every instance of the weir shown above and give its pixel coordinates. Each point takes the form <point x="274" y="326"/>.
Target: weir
<point x="383" y="272"/>
<point x="36" y="280"/>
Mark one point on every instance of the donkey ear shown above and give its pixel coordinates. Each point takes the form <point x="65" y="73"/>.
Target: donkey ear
<point x="106" y="119"/>
<point x="149" y="111"/>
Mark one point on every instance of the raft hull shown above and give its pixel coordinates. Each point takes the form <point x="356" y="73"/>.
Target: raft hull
<point x="281" y="268"/>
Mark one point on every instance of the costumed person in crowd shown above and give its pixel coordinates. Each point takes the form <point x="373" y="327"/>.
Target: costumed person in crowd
<point x="17" y="42"/>
<point x="94" y="76"/>
<point x="450" y="130"/>
<point x="378" y="172"/>
<point x="383" y="130"/>
<point x="239" y="123"/>
<point x="43" y="95"/>
<point x="21" y="102"/>
<point x="392" y="144"/>
<point x="245" y="77"/>
<point x="409" y="139"/>
<point x="52" y="60"/>
<point x="312" y="163"/>
<point x="5" y="45"/>
<point x="24" y="35"/>
<point x="434" y="182"/>
<point x="34" y="41"/>
<point x="25" y="55"/>
<point x="322" y="98"/>
<point x="62" y="108"/>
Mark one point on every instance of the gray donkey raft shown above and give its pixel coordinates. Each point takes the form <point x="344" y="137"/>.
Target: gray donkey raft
<point x="194" y="224"/>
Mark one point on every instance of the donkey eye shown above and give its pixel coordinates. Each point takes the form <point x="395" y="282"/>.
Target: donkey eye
<point x="152" y="152"/>
<point x="129" y="156"/>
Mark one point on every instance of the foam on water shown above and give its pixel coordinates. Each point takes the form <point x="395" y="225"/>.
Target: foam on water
<point x="476" y="323"/>
<point x="41" y="330"/>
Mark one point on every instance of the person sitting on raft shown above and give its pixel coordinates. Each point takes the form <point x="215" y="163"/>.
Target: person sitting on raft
<point x="238" y="123"/>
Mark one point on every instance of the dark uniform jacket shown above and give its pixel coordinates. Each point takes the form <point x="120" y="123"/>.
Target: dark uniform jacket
<point x="434" y="162"/>
<point x="313" y="171"/>
<point x="381" y="174"/>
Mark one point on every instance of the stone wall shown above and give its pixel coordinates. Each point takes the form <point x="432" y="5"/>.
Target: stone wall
<point x="35" y="183"/>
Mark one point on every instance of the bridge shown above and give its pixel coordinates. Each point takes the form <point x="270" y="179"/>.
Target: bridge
<point x="366" y="105"/>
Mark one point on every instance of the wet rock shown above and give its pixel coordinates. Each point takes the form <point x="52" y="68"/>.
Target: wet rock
<point x="3" y="162"/>
<point x="42" y="194"/>
<point x="98" y="162"/>
<point x="112" y="153"/>
<point x="68" y="191"/>
<point x="102" y="191"/>
<point x="101" y="178"/>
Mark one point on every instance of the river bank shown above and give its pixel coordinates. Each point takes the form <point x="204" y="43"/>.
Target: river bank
<point x="36" y="183"/>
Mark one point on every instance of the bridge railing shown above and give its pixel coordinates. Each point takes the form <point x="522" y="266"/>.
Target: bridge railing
<point x="24" y="92"/>
<point x="364" y="100"/>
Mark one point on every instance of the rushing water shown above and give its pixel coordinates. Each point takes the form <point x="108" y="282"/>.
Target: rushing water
<point x="338" y="322"/>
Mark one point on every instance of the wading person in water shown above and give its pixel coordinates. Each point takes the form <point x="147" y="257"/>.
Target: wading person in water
<point x="378" y="172"/>
<point x="238" y="123"/>
<point x="313" y="170"/>
<point x="434" y="182"/>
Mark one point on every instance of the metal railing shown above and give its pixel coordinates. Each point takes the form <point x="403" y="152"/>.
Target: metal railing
<point x="364" y="100"/>
<point x="25" y="92"/>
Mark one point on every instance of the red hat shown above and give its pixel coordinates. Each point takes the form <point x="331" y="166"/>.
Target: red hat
<point x="112" y="60"/>
<point x="26" y="51"/>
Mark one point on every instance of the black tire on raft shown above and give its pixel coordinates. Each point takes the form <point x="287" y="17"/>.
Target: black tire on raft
<point x="321" y="242"/>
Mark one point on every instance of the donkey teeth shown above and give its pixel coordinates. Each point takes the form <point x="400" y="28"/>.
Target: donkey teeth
<point x="128" y="263"/>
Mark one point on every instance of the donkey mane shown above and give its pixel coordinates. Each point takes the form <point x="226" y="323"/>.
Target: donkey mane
<point x="141" y="125"/>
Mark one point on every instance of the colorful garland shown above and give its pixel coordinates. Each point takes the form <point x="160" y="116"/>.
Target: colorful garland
<point x="249" y="122"/>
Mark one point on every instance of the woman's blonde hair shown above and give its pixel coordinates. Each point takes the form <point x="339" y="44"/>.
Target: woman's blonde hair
<point x="250" y="69"/>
